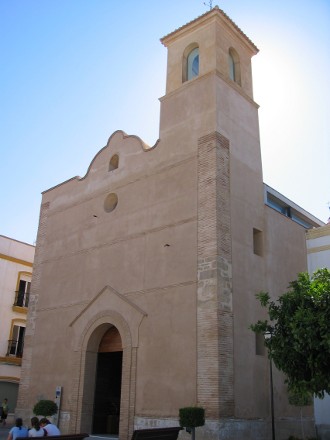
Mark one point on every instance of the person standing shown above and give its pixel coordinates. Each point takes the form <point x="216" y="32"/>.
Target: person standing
<point x="18" y="430"/>
<point x="4" y="411"/>
<point x="49" y="427"/>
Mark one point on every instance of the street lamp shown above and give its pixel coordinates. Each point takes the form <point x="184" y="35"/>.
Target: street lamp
<point x="268" y="335"/>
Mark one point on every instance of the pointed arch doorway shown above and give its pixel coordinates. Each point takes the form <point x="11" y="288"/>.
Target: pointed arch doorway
<point x="88" y="329"/>
<point x="107" y="395"/>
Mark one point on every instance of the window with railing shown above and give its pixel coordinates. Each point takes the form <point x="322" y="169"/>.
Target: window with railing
<point x="22" y="296"/>
<point x="16" y="344"/>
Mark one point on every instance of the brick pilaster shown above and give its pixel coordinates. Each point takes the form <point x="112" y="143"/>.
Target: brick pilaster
<point x="214" y="295"/>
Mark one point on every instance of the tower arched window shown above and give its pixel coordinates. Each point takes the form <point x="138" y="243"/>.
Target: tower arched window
<point x="190" y="62"/>
<point x="193" y="64"/>
<point x="234" y="66"/>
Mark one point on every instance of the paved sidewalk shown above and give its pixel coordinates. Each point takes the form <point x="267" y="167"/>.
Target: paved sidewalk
<point x="4" y="430"/>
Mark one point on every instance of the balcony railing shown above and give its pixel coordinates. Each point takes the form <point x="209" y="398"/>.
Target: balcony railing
<point x="15" y="348"/>
<point x="21" y="299"/>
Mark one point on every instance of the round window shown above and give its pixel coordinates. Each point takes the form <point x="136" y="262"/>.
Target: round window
<point x="110" y="202"/>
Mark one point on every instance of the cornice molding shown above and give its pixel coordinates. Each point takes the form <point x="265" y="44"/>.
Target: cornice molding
<point x="318" y="249"/>
<point x="218" y="74"/>
<point x="12" y="379"/>
<point x="16" y="260"/>
<point x="322" y="231"/>
<point x="18" y="309"/>
<point x="216" y="13"/>
<point x="11" y="360"/>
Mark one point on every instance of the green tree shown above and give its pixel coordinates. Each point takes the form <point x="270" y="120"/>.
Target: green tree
<point x="45" y="408"/>
<point x="191" y="417"/>
<point x="299" y="325"/>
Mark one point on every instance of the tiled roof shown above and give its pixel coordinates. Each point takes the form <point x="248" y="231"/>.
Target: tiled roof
<point x="216" y="9"/>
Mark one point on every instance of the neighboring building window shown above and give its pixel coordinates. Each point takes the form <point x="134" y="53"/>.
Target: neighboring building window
<point x="257" y="242"/>
<point x="278" y="205"/>
<point x="23" y="294"/>
<point x="114" y="162"/>
<point x="299" y="220"/>
<point x="16" y="342"/>
<point x="281" y="206"/>
<point x="234" y="66"/>
<point x="193" y="64"/>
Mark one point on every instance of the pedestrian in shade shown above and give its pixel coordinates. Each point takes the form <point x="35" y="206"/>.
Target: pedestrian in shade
<point x="36" y="430"/>
<point x="4" y="411"/>
<point x="18" y="430"/>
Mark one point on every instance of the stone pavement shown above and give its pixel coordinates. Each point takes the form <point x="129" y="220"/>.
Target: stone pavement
<point x="4" y="430"/>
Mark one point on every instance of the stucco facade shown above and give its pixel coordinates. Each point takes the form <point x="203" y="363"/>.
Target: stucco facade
<point x="166" y="246"/>
<point x="16" y="261"/>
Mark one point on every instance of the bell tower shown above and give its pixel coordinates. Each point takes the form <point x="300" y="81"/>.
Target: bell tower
<point x="209" y="86"/>
<point x="223" y="49"/>
<point x="209" y="112"/>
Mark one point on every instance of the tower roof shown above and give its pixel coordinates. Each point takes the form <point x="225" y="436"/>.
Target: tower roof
<point x="216" y="11"/>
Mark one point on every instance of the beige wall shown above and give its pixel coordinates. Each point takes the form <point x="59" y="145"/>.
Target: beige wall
<point x="127" y="250"/>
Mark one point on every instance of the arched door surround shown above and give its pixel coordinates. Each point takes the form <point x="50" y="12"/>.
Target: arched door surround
<point x="88" y="329"/>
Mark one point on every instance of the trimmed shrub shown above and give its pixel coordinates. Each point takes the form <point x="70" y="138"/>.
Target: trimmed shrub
<point x="191" y="416"/>
<point x="45" y="408"/>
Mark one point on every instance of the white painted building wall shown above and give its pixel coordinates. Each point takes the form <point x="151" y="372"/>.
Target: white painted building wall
<point x="318" y="256"/>
<point x="16" y="261"/>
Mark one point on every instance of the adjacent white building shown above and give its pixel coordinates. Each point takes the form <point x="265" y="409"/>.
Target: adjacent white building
<point x="16" y="261"/>
<point x="318" y="256"/>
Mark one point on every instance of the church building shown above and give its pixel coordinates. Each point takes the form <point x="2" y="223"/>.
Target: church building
<point x="146" y="269"/>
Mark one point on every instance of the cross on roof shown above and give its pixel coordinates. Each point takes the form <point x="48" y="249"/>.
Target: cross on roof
<point x="209" y="4"/>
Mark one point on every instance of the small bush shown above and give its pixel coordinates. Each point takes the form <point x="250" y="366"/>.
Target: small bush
<point x="45" y="408"/>
<point x="191" y="416"/>
<point x="300" y="399"/>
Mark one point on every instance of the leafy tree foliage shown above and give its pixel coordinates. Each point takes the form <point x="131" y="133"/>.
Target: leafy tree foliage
<point x="299" y="325"/>
<point x="45" y="408"/>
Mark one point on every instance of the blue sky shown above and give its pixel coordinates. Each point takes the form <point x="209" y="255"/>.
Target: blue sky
<point x="74" y="71"/>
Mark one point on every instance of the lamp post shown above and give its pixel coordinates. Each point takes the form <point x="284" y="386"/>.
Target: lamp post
<point x="268" y="335"/>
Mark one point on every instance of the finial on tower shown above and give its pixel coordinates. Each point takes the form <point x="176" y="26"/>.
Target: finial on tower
<point x="209" y="4"/>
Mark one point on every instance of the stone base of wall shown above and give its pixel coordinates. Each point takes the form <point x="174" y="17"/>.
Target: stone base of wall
<point x="235" y="429"/>
<point x="25" y="415"/>
<point x="146" y="423"/>
<point x="64" y="422"/>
